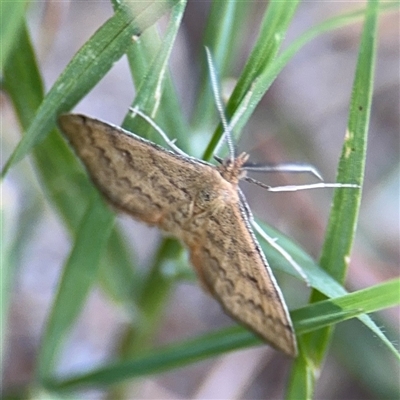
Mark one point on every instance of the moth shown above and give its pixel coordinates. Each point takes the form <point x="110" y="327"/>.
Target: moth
<point x="196" y="202"/>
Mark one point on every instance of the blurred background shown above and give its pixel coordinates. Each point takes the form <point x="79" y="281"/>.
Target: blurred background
<point x="302" y="118"/>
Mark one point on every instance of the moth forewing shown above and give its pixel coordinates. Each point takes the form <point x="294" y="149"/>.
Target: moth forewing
<point x="198" y="203"/>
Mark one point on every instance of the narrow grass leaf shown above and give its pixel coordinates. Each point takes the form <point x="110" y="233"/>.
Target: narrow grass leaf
<point x="344" y="213"/>
<point x="272" y="33"/>
<point x="222" y="38"/>
<point x="213" y="344"/>
<point x="12" y="15"/>
<point x="80" y="272"/>
<point x="346" y="203"/>
<point x="89" y="65"/>
<point x="368" y="300"/>
<point x="66" y="186"/>
<point x="150" y="89"/>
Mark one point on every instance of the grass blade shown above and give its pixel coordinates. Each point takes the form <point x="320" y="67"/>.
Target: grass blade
<point x="89" y="65"/>
<point x="344" y="213"/>
<point x="150" y="88"/>
<point x="236" y="337"/>
<point x="221" y="37"/>
<point x="53" y="160"/>
<point x="275" y="23"/>
<point x="80" y="272"/>
<point x="12" y="18"/>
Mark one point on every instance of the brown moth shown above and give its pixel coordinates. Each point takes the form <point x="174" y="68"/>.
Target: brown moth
<point x="198" y="203"/>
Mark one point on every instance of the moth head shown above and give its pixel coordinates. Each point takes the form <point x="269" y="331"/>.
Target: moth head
<point x="231" y="168"/>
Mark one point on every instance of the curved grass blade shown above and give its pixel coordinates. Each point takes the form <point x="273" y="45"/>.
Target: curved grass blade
<point x="261" y="83"/>
<point x="140" y="57"/>
<point x="272" y="33"/>
<point x="233" y="338"/>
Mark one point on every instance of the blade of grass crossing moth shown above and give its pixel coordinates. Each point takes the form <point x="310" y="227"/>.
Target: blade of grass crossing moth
<point x="80" y="272"/>
<point x="151" y="87"/>
<point x="140" y="56"/>
<point x="342" y="223"/>
<point x="88" y="66"/>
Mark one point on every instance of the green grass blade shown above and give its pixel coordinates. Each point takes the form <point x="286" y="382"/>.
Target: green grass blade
<point x="344" y="213"/>
<point x="346" y="203"/>
<point x="152" y="299"/>
<point x="164" y="359"/>
<point x="150" y="88"/>
<point x="140" y="56"/>
<point x="376" y="370"/>
<point x="65" y="184"/>
<point x="171" y="121"/>
<point x="272" y="33"/>
<point x="368" y="300"/>
<point x="89" y="65"/>
<point x="236" y="337"/>
<point x="80" y="272"/>
<point x="12" y="15"/>
<point x="153" y="85"/>
<point x="221" y="37"/>
<point x="266" y="77"/>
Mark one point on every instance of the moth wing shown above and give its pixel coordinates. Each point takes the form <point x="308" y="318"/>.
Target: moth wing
<point x="232" y="267"/>
<point x="135" y="175"/>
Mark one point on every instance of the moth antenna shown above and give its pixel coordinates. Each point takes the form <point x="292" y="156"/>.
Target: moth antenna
<point x="285" y="167"/>
<point x="272" y="242"/>
<point x="321" y="185"/>
<point x="227" y="136"/>
<point x="170" y="143"/>
<point x="295" y="188"/>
